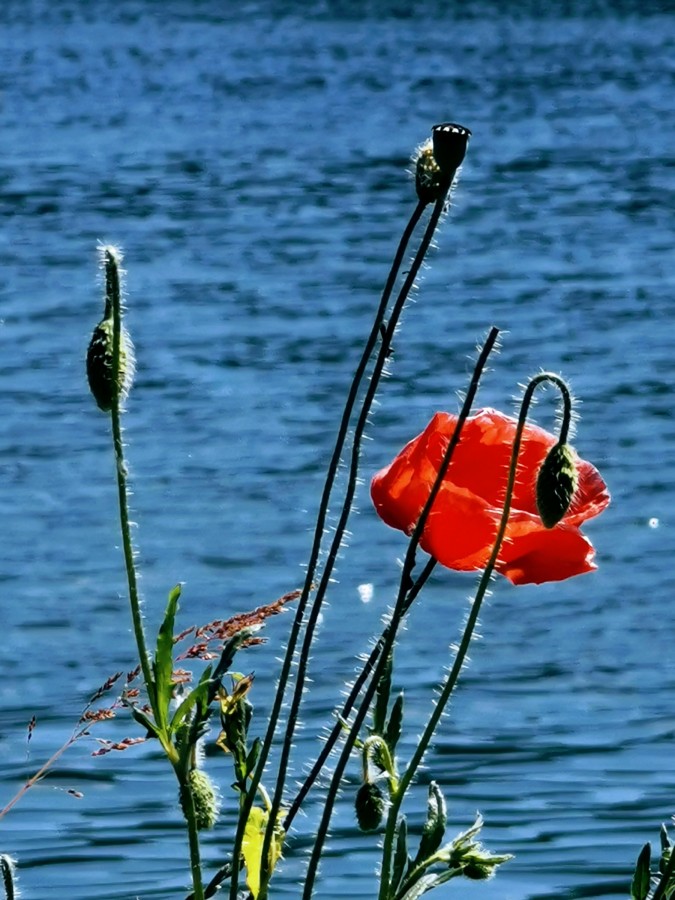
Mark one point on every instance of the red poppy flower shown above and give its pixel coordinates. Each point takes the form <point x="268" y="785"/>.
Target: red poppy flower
<point x="463" y="522"/>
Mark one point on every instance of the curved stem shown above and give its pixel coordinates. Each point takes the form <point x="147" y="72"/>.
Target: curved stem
<point x="316" y="547"/>
<point x="353" y="696"/>
<point x="400" y="608"/>
<point x="460" y="657"/>
<point x="373" y="385"/>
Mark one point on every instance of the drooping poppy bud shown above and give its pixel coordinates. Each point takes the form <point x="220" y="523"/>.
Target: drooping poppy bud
<point x="370" y="806"/>
<point x="556" y="483"/>
<point x="449" y="142"/>
<point x="428" y="176"/>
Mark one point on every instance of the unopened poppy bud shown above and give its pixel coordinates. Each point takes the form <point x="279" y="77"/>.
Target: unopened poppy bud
<point x="428" y="176"/>
<point x="370" y="806"/>
<point x="105" y="384"/>
<point x="556" y="484"/>
<point x="100" y="363"/>
<point x="204" y="798"/>
<point x="450" y="142"/>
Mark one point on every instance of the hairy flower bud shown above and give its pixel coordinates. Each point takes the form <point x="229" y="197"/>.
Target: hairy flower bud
<point x="100" y="365"/>
<point x="556" y="484"/>
<point x="370" y="806"/>
<point x="204" y="798"/>
<point x="110" y="379"/>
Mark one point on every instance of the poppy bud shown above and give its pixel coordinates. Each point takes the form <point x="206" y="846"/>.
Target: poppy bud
<point x="204" y="799"/>
<point x="450" y="142"/>
<point x="370" y="806"/>
<point x="428" y="176"/>
<point x="100" y="365"/>
<point x="104" y="384"/>
<point x="556" y="484"/>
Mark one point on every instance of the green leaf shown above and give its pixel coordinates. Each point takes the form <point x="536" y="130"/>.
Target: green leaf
<point x="163" y="665"/>
<point x="196" y="696"/>
<point x="253" y="755"/>
<point x="392" y="732"/>
<point x="426" y="883"/>
<point x="434" y="827"/>
<point x="144" y="720"/>
<point x="382" y="697"/>
<point x="401" y="858"/>
<point x="641" y="879"/>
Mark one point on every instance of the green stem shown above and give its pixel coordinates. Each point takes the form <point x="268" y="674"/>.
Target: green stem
<point x="664" y="883"/>
<point x="352" y="479"/>
<point x="319" y="532"/>
<point x="114" y="305"/>
<point x="397" y="617"/>
<point x="114" y="302"/>
<point x="460" y="657"/>
<point x="188" y="807"/>
<point x="342" y="714"/>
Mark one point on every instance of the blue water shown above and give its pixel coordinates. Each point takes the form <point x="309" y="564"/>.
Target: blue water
<point x="251" y="160"/>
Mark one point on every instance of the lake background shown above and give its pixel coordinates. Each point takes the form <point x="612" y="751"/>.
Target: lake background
<point x="251" y="160"/>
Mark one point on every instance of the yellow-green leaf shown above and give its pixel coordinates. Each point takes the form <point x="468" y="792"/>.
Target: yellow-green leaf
<point x="252" y="845"/>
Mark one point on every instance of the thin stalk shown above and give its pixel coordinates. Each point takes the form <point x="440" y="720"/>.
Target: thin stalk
<point x="319" y="531"/>
<point x="114" y="302"/>
<point x="460" y="657"/>
<point x="42" y="771"/>
<point x="303" y="661"/>
<point x="188" y="807"/>
<point x="342" y="714"/>
<point x="395" y="622"/>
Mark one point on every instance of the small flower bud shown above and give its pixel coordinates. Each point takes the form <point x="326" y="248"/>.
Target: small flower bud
<point x="106" y="385"/>
<point x="428" y="176"/>
<point x="556" y="484"/>
<point x="450" y="143"/>
<point x="100" y="365"/>
<point x="204" y="798"/>
<point x="370" y="806"/>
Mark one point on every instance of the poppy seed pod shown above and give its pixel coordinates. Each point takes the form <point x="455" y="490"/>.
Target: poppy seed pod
<point x="556" y="483"/>
<point x="369" y="806"/>
<point x="428" y="176"/>
<point x="450" y="142"/>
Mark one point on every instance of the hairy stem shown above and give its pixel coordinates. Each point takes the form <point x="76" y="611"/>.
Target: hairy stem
<point x="397" y="617"/>
<point x="312" y="565"/>
<point x="461" y="654"/>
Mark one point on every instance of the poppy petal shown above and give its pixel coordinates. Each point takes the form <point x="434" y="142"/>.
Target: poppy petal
<point x="542" y="555"/>
<point x="462" y="526"/>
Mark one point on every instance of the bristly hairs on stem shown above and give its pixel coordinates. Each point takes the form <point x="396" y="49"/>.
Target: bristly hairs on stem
<point x="108" y="366"/>
<point x="7" y="870"/>
<point x="449" y="163"/>
<point x="400" y="609"/>
<point x="452" y="678"/>
<point x="378" y="331"/>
